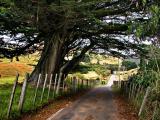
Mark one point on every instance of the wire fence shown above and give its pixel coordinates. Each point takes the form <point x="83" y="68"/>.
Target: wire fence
<point x="146" y="100"/>
<point x="20" y="98"/>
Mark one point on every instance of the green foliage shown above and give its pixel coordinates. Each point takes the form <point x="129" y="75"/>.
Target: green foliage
<point x="129" y="65"/>
<point x="99" y="69"/>
<point x="81" y="68"/>
<point x="148" y="75"/>
<point x="147" y="27"/>
<point x="86" y="59"/>
<point x="145" y="79"/>
<point x="79" y="75"/>
<point x="153" y="64"/>
<point x="112" y="67"/>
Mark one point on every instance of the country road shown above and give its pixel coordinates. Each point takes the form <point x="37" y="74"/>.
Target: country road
<point x="95" y="105"/>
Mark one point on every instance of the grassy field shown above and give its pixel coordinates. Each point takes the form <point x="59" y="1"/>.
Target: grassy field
<point x="11" y="69"/>
<point x="103" y="59"/>
<point x="25" y="64"/>
<point x="10" y="80"/>
<point x="5" y="92"/>
<point x="124" y="75"/>
<point x="8" y="69"/>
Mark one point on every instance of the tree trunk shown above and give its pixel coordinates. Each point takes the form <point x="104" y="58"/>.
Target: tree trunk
<point x="50" y="58"/>
<point x="67" y="67"/>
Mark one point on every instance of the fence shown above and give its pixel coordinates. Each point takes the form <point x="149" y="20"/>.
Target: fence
<point x="145" y="100"/>
<point x="26" y="97"/>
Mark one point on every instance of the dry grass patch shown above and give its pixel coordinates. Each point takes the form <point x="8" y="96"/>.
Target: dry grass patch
<point x="10" y="69"/>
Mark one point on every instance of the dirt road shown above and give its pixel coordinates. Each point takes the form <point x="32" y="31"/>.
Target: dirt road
<point x="95" y="105"/>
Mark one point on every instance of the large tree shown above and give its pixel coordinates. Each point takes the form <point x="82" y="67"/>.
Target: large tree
<point x="68" y="26"/>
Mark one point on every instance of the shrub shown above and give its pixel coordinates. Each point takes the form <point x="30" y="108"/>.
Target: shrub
<point x="129" y="65"/>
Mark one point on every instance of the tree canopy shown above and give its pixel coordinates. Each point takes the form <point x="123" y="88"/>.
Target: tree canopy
<point x="64" y="27"/>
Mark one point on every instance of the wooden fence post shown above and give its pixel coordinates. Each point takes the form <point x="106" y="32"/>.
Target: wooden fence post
<point x="130" y="89"/>
<point x="58" y="84"/>
<point x="71" y="86"/>
<point x="55" y="83"/>
<point x="44" y="85"/>
<point x="23" y="93"/>
<point x="63" y="86"/>
<point x="87" y="83"/>
<point x="132" y="92"/>
<point x="77" y="84"/>
<point x="67" y="85"/>
<point x="155" y="109"/>
<point x="144" y="101"/>
<point x="82" y="83"/>
<point x="38" y="82"/>
<point x="49" y="89"/>
<point x="74" y="84"/>
<point x="135" y="90"/>
<point x="126" y="88"/>
<point x="92" y="83"/>
<point x="137" y="93"/>
<point x="12" y="95"/>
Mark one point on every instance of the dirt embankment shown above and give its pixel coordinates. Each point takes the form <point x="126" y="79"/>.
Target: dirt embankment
<point x="125" y="110"/>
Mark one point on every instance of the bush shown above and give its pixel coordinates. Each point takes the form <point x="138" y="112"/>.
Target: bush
<point x="86" y="59"/>
<point x="153" y="64"/>
<point x="145" y="79"/>
<point x="112" y="67"/>
<point x="129" y="65"/>
<point x="99" y="69"/>
<point x="82" y="69"/>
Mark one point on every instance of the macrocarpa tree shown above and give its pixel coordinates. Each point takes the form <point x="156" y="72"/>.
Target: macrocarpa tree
<point x="63" y="28"/>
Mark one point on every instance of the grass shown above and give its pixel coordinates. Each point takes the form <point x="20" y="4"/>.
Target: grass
<point x="25" y="64"/>
<point x="124" y="75"/>
<point x="102" y="59"/>
<point x="11" y="69"/>
<point x="8" y="71"/>
<point x="10" y="80"/>
<point x="5" y="92"/>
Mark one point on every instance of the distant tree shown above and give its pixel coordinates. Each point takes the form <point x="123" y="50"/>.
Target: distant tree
<point x="129" y="65"/>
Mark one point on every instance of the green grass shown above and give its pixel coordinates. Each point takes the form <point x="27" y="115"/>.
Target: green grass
<point x="10" y="80"/>
<point x="5" y="92"/>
